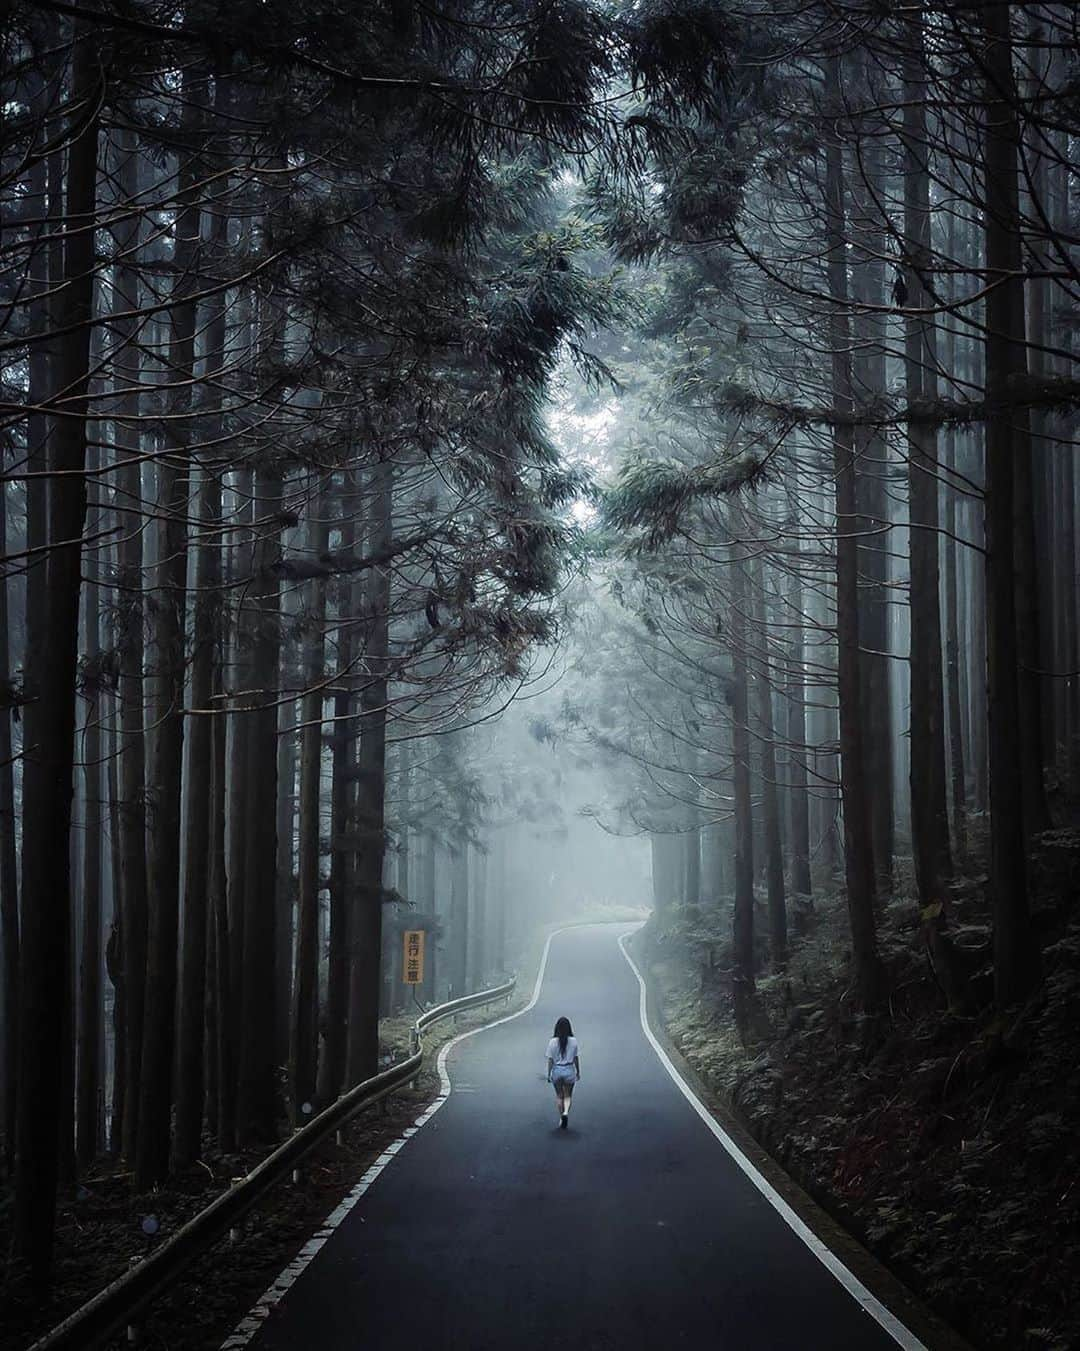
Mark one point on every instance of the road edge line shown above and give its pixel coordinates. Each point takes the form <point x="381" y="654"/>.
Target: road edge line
<point x="884" y="1317"/>
<point x="252" y="1322"/>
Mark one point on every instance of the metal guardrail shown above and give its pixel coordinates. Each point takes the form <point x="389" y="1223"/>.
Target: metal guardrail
<point x="118" y="1304"/>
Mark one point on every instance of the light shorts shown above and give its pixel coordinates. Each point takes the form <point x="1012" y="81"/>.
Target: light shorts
<point x="563" y="1074"/>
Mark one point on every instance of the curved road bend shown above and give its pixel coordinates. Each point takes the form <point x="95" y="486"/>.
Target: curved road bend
<point x="632" y="1229"/>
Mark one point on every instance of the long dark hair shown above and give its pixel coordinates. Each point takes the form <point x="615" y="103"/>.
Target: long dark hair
<point x="563" y="1031"/>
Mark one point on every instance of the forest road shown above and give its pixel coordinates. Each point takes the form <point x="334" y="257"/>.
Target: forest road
<point x="632" y="1229"/>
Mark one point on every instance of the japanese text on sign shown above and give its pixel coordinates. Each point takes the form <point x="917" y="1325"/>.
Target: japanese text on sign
<point x="414" y="956"/>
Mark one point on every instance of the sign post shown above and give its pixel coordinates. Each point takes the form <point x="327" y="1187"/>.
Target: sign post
<point x="413" y="957"/>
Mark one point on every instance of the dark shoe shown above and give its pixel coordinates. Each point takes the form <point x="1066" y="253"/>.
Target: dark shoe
<point x="562" y="1123"/>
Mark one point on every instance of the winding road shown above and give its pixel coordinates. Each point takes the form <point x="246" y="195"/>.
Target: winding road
<point x="637" y="1227"/>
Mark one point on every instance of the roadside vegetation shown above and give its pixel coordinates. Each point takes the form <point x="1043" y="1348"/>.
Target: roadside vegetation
<point x="942" y="1137"/>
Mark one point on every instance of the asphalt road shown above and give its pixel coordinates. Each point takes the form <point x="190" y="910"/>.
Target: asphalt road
<point x="632" y="1229"/>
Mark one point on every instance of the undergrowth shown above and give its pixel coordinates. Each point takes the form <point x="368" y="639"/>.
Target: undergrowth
<point x="945" y="1137"/>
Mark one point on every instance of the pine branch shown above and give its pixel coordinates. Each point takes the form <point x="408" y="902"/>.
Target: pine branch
<point x="653" y="496"/>
<point x="1049" y="393"/>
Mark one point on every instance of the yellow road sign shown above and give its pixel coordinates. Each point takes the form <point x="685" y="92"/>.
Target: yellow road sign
<point x="413" y="957"/>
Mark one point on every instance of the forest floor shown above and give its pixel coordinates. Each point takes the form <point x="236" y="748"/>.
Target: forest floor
<point x="947" y="1142"/>
<point x="100" y="1234"/>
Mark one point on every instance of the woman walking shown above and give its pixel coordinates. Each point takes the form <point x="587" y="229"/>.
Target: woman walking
<point x="564" y="1067"/>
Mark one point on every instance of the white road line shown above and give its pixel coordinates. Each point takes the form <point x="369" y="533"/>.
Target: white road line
<point x="246" y="1329"/>
<point x="851" y="1283"/>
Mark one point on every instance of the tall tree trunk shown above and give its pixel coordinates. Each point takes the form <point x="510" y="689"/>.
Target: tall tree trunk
<point x="1031" y="514"/>
<point x="426" y="882"/>
<point x="1039" y="291"/>
<point x="305" y="1002"/>
<point x="478" y="920"/>
<point x="42" y="276"/>
<point x="113" y="945"/>
<point x="977" y="580"/>
<point x="230" y="939"/>
<point x="458" y="918"/>
<point x="284" y="874"/>
<point x="331" y="1073"/>
<point x="426" y="879"/>
<point x="858" y="852"/>
<point x="257" y="1095"/>
<point x="47" y="764"/>
<point x="797" y="741"/>
<point x="221" y="1047"/>
<point x="190" y="1046"/>
<point x="498" y="948"/>
<point x="929" y="812"/>
<point x="872" y="461"/>
<point x="393" y="979"/>
<point x="1038" y="204"/>
<point x="1028" y="621"/>
<point x="211" y="1099"/>
<point x="743" y="919"/>
<point x="952" y="662"/>
<point x="955" y="669"/>
<point x="9" y="881"/>
<point x="1054" y="180"/>
<point x="132" y="927"/>
<point x="663" y="873"/>
<point x="770" y="800"/>
<point x="88" y="1060"/>
<point x="691" y="848"/>
<point x="204" y="880"/>
<point x="167" y="685"/>
<point x="65" y="1120"/>
<point x="716" y="860"/>
<point x="1065" y="481"/>
<point x="1016" y="957"/>
<point x="1026" y="450"/>
<point x="284" y="865"/>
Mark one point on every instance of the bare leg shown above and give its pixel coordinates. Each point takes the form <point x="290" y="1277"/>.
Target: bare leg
<point x="568" y="1094"/>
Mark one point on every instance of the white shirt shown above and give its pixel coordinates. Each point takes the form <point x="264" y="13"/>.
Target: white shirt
<point x="566" y="1057"/>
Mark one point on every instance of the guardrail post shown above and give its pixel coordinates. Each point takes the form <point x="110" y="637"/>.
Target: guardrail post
<point x="131" y="1332"/>
<point x="234" y="1229"/>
